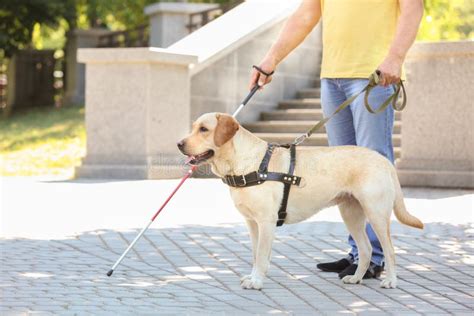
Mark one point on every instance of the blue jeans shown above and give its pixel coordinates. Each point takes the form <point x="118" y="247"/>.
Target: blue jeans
<point x="356" y="126"/>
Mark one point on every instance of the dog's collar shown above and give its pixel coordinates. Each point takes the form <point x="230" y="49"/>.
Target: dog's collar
<point x="256" y="178"/>
<point x="262" y="175"/>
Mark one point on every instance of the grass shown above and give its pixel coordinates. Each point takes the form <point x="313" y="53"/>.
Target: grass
<point x="42" y="142"/>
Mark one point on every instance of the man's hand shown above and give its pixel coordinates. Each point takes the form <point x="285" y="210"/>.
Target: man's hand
<point x="268" y="65"/>
<point x="391" y="70"/>
<point x="411" y="12"/>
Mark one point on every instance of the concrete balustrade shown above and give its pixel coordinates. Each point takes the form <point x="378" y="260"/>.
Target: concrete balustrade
<point x="137" y="106"/>
<point x="169" y="20"/>
<point x="438" y="131"/>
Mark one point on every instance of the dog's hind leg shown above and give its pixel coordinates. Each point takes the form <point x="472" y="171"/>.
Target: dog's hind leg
<point x="266" y="233"/>
<point x="354" y="218"/>
<point x="378" y="209"/>
<point x="253" y="231"/>
<point x="381" y="228"/>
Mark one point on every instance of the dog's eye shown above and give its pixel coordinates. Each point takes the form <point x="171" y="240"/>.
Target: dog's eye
<point x="202" y="129"/>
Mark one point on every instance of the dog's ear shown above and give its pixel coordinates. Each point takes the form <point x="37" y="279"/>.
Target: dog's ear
<point x="226" y="128"/>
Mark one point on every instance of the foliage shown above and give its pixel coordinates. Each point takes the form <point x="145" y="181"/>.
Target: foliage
<point x="44" y="23"/>
<point x="114" y="14"/>
<point x="121" y="14"/>
<point x="447" y="20"/>
<point x="18" y="19"/>
<point x="49" y="37"/>
<point x="42" y="142"/>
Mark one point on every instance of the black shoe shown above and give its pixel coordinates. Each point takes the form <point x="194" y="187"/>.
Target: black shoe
<point x="373" y="271"/>
<point x="336" y="266"/>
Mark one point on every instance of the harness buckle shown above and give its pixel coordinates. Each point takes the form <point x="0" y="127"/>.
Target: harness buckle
<point x="298" y="140"/>
<point x="230" y="181"/>
<point x="245" y="181"/>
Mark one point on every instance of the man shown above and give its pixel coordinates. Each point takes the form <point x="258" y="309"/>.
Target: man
<point x="358" y="38"/>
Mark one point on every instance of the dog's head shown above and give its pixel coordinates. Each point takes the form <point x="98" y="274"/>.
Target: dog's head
<point x="210" y="133"/>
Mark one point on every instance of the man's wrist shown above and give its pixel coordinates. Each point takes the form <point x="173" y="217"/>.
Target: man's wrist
<point x="396" y="56"/>
<point x="272" y="59"/>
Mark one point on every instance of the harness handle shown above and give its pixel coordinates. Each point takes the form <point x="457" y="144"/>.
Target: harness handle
<point x="374" y="80"/>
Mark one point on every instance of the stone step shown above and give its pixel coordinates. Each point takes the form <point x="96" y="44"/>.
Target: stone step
<point x="293" y="127"/>
<point x="309" y="93"/>
<point x="293" y="115"/>
<point x="306" y="103"/>
<point x="299" y="115"/>
<point x="396" y="150"/>
<point x="314" y="140"/>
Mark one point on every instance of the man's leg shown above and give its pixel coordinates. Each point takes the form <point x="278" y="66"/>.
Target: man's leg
<point x="340" y="131"/>
<point x="373" y="131"/>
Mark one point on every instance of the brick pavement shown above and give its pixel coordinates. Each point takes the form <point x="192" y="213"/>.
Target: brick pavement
<point x="196" y="269"/>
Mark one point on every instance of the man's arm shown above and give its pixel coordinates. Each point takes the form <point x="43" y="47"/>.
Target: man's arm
<point x="297" y="27"/>
<point x="411" y="12"/>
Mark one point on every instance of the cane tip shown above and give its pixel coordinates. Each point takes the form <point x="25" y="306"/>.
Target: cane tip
<point x="110" y="272"/>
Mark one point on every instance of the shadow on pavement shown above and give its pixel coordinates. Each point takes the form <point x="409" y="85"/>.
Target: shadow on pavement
<point x="197" y="268"/>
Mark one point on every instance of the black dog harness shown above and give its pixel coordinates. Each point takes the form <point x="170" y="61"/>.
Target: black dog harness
<point x="288" y="179"/>
<point x="262" y="175"/>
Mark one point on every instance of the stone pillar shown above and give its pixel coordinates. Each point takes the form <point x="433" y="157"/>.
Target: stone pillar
<point x="137" y="108"/>
<point x="438" y="131"/>
<point x="168" y="21"/>
<point x="75" y="72"/>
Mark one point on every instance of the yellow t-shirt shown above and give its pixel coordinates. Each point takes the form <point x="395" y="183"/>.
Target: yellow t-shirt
<point x="356" y="36"/>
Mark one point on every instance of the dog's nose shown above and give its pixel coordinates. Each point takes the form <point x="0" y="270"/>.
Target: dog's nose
<point x="180" y="144"/>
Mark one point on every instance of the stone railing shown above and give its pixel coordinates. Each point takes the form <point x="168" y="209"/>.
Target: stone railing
<point x="169" y="21"/>
<point x="201" y="18"/>
<point x="136" y="37"/>
<point x="437" y="132"/>
<point x="140" y="101"/>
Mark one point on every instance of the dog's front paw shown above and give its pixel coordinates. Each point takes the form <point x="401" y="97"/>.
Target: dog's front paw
<point x="245" y="277"/>
<point x="351" y="279"/>
<point x="389" y="283"/>
<point x="250" y="282"/>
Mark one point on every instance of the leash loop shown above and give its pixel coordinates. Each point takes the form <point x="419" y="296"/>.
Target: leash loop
<point x="260" y="70"/>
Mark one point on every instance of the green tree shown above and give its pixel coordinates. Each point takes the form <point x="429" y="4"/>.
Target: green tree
<point x="113" y="14"/>
<point x="18" y="19"/>
<point x="447" y="20"/>
<point x="48" y="20"/>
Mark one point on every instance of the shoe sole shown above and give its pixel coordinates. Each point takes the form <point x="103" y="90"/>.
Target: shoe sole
<point x="376" y="276"/>
<point x="329" y="270"/>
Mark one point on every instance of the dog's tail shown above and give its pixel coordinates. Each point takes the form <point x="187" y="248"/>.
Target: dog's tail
<point x="399" y="207"/>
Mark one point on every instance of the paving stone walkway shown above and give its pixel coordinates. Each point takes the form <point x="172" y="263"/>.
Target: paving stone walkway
<point x="196" y="269"/>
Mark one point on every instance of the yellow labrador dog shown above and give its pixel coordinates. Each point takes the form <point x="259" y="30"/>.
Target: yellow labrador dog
<point x="361" y="182"/>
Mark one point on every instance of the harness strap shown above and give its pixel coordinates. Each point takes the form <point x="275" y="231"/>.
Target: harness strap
<point x="263" y="168"/>
<point x="256" y="178"/>
<point x="262" y="175"/>
<point x="286" y="189"/>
